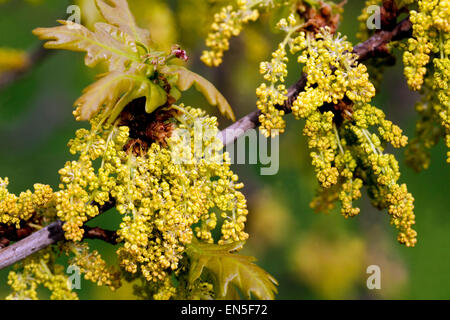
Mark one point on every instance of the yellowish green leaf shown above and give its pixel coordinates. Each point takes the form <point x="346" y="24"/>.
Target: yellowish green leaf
<point x="106" y="44"/>
<point x="158" y="97"/>
<point x="115" y="90"/>
<point x="188" y="78"/>
<point x="117" y="13"/>
<point x="230" y="269"/>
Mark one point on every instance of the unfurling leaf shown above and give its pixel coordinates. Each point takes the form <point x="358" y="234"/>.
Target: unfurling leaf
<point x="188" y="78"/>
<point x="130" y="74"/>
<point x="117" y="13"/>
<point x="230" y="269"/>
<point x="126" y="79"/>
<point x="106" y="44"/>
<point x="115" y="90"/>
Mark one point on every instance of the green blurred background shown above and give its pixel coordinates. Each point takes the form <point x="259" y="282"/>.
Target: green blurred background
<point x="313" y="256"/>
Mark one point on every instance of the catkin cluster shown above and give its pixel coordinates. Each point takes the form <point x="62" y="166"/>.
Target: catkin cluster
<point x="27" y="206"/>
<point x="229" y="23"/>
<point x="338" y="116"/>
<point x="39" y="270"/>
<point x="170" y="195"/>
<point x="272" y="93"/>
<point x="427" y="68"/>
<point x="82" y="189"/>
<point x="160" y="165"/>
<point x="336" y="106"/>
<point x="167" y="193"/>
<point x="91" y="265"/>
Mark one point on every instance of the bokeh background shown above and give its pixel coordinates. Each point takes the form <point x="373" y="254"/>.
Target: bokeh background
<point x="313" y="256"/>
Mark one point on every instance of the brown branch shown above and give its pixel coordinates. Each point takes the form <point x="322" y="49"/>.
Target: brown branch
<point x="34" y="58"/>
<point x="52" y="233"/>
<point x="4" y="242"/>
<point x="31" y="244"/>
<point x="377" y="43"/>
<point x="100" y="234"/>
<point x="13" y="234"/>
<point x="44" y="238"/>
<point x="237" y="129"/>
<point x="10" y="233"/>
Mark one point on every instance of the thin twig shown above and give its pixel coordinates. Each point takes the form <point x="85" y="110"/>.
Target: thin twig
<point x="98" y="233"/>
<point x="42" y="239"/>
<point x="237" y="129"/>
<point x="31" y="244"/>
<point x="45" y="237"/>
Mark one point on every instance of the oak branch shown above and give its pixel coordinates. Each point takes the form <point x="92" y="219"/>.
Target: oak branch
<point x="373" y="47"/>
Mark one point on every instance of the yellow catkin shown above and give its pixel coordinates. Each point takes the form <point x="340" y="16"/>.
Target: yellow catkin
<point x="229" y="23"/>
<point x="39" y="270"/>
<point x="427" y="68"/>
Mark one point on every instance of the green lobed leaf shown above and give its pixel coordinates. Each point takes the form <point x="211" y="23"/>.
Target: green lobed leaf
<point x="116" y="43"/>
<point x="188" y="78"/>
<point x="230" y="269"/>
<point x="106" y="44"/>
<point x="117" y="13"/>
<point x="115" y="90"/>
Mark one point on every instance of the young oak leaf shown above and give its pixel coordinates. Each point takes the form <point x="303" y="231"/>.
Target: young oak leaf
<point x="115" y="90"/>
<point x="106" y="44"/>
<point x="117" y="13"/>
<point x="230" y="269"/>
<point x="117" y="43"/>
<point x="188" y="78"/>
